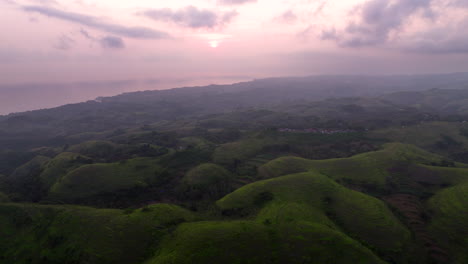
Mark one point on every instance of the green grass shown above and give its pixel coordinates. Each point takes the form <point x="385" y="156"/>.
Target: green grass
<point x="253" y="242"/>
<point x="196" y="142"/>
<point x="60" y="165"/>
<point x="432" y="136"/>
<point x="367" y="169"/>
<point x="422" y="135"/>
<point x="317" y="199"/>
<point x="4" y="198"/>
<point x="95" y="149"/>
<point x="31" y="168"/>
<point x="229" y="153"/>
<point x="206" y="181"/>
<point x="450" y="217"/>
<point x="33" y="234"/>
<point x="449" y="176"/>
<point x="89" y="180"/>
<point x="284" y="166"/>
<point x="205" y="175"/>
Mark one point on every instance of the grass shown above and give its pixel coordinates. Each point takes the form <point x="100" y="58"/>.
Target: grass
<point x="205" y="175"/>
<point x="254" y="242"/>
<point x="449" y="208"/>
<point x="206" y="181"/>
<point x="30" y="168"/>
<point x="449" y="176"/>
<point x="196" y="142"/>
<point x="71" y="234"/>
<point x="60" y="165"/>
<point x="3" y="198"/>
<point x="422" y="135"/>
<point x="284" y="166"/>
<point x="369" y="169"/>
<point x="95" y="149"/>
<point x="89" y="180"/>
<point x="317" y="199"/>
<point x="444" y="138"/>
<point x="229" y="153"/>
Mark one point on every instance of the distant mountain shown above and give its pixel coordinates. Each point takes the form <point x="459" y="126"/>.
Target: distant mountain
<point x="148" y="107"/>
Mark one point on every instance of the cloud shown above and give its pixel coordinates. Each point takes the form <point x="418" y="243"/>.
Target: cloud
<point x="86" y="34"/>
<point x="459" y="3"/>
<point x="376" y="20"/>
<point x="112" y="42"/>
<point x="423" y="26"/>
<point x="191" y="17"/>
<point x="93" y="22"/>
<point x="64" y="42"/>
<point x="108" y="42"/>
<point x="439" y="40"/>
<point x="288" y="17"/>
<point x="235" y="2"/>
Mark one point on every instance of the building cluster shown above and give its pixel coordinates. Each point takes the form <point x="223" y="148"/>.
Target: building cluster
<point x="326" y="131"/>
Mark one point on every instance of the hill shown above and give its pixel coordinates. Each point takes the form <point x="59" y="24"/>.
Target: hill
<point x="330" y="169"/>
<point x="70" y="234"/>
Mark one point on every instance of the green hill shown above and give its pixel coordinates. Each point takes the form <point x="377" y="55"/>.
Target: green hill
<point x="94" y="179"/>
<point x="376" y="172"/>
<point x="3" y="198"/>
<point x="294" y="170"/>
<point x="449" y="208"/>
<point x="208" y="181"/>
<point x="254" y="242"/>
<point x="445" y="138"/>
<point x="25" y="183"/>
<point x="315" y="198"/>
<point x="60" y="165"/>
<point x="35" y="234"/>
<point x="95" y="149"/>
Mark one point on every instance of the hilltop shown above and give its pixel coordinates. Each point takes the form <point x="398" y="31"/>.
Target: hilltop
<point x="331" y="169"/>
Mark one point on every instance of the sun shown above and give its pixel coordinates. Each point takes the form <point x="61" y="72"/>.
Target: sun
<point x="214" y="44"/>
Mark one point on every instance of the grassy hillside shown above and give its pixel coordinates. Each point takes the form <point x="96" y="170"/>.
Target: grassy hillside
<point x="208" y="181"/>
<point x="315" y="198"/>
<point x="253" y="242"/>
<point x="60" y="165"/>
<point x="33" y="234"/>
<point x="449" y="208"/>
<point x="95" y="149"/>
<point x="274" y="175"/>
<point x="3" y="198"/>
<point x="89" y="180"/>
<point x="445" y="138"/>
<point x="232" y="153"/>
<point x="372" y="171"/>
<point x="25" y="183"/>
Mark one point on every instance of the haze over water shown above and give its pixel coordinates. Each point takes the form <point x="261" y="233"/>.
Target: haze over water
<point x="55" y="44"/>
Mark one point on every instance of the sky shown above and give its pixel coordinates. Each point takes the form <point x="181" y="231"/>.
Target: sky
<point x="163" y="43"/>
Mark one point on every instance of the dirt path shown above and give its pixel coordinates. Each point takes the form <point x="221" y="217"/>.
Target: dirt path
<point x="412" y="210"/>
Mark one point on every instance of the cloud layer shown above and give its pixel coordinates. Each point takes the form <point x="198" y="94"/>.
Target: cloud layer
<point x="376" y="19"/>
<point x="390" y="22"/>
<point x="107" y="42"/>
<point x="93" y="22"/>
<point x="191" y="17"/>
<point x="112" y="42"/>
<point x="235" y="2"/>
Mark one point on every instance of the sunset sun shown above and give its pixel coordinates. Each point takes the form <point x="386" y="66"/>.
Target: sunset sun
<point x="214" y="44"/>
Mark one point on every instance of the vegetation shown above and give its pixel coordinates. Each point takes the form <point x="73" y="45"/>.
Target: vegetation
<point x="3" y="198"/>
<point x="89" y="180"/>
<point x="208" y="181"/>
<point x="449" y="220"/>
<point x="70" y="234"/>
<point x="240" y="175"/>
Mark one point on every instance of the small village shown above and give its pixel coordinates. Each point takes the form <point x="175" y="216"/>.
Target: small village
<point x="325" y="131"/>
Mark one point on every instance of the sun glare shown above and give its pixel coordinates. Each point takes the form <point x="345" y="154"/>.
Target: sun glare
<point x="214" y="44"/>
